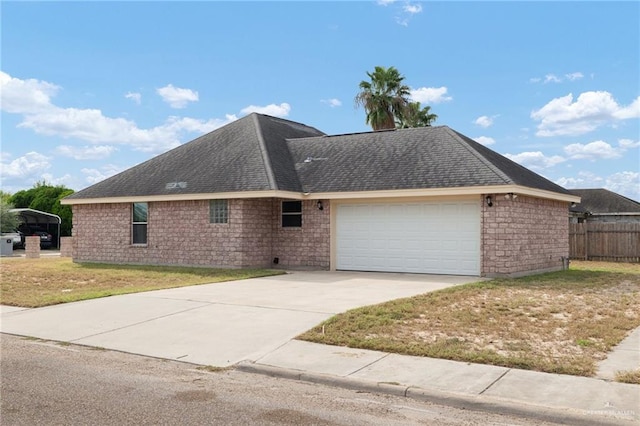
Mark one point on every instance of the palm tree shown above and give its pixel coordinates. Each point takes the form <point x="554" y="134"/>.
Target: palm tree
<point x="415" y="116"/>
<point x="384" y="97"/>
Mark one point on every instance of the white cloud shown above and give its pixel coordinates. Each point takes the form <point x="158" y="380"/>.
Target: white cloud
<point x="333" y="102"/>
<point x="551" y="78"/>
<point x="583" y="180"/>
<point x="535" y="160"/>
<point x="32" y="99"/>
<point x="412" y="8"/>
<point x="404" y="12"/>
<point x="430" y="95"/>
<point x="97" y="175"/>
<point x="626" y="183"/>
<point x="52" y="180"/>
<point x="86" y="152"/>
<point x="135" y="97"/>
<point x="628" y="143"/>
<point x="630" y="111"/>
<point x="281" y="110"/>
<point x="574" y="76"/>
<point x="484" y="140"/>
<point x="592" y="151"/>
<point x="30" y="164"/>
<point x="484" y="121"/>
<point x="25" y="96"/>
<point x="177" y="97"/>
<point x="562" y="116"/>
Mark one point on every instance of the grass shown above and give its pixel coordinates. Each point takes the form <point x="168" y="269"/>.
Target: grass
<point x="40" y="282"/>
<point x="629" y="376"/>
<point x="562" y="322"/>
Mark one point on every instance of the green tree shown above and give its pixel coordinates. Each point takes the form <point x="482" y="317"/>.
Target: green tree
<point x="415" y="116"/>
<point x="5" y="196"/>
<point x="384" y="97"/>
<point x="64" y="212"/>
<point x="9" y="220"/>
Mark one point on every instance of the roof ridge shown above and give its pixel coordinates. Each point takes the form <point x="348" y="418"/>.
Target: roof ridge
<point x="265" y="155"/>
<point x="479" y="156"/>
<point x="273" y="117"/>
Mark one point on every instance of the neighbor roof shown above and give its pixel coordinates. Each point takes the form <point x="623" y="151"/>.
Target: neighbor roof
<point x="264" y="153"/>
<point x="600" y="200"/>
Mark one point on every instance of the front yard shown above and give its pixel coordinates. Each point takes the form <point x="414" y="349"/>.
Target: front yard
<point x="562" y="322"/>
<point x="32" y="283"/>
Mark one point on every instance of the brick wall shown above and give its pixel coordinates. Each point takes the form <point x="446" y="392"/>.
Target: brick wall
<point x="178" y="233"/>
<point x="66" y="246"/>
<point x="305" y="247"/>
<point x="523" y="236"/>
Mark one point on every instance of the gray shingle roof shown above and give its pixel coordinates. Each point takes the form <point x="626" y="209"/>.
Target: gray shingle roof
<point x="261" y="153"/>
<point x="428" y="157"/>
<point x="249" y="154"/>
<point x="601" y="200"/>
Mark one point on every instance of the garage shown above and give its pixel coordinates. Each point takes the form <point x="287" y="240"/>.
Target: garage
<point x="417" y="237"/>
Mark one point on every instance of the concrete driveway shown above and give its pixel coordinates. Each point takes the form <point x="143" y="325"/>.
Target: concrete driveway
<point x="217" y="324"/>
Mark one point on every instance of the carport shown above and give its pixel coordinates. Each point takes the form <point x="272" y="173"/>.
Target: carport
<point x="39" y="218"/>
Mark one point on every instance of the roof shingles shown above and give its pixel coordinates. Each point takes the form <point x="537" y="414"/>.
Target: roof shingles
<point x="261" y="153"/>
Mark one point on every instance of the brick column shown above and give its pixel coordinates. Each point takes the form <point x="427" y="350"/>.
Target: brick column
<point x="66" y="246"/>
<point x="32" y="246"/>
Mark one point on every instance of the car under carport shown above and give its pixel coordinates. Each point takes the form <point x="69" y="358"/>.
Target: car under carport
<point x="48" y="221"/>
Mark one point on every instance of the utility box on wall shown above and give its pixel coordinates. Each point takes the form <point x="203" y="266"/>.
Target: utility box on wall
<point x="6" y="246"/>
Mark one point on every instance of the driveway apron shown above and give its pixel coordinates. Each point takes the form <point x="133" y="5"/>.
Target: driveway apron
<point x="218" y="324"/>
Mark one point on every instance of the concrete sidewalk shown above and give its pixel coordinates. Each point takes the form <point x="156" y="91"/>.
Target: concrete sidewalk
<point x="251" y="324"/>
<point x="589" y="400"/>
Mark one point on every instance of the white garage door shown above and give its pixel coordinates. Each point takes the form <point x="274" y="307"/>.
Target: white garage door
<point x="421" y="237"/>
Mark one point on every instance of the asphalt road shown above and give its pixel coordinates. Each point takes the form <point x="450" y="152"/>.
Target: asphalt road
<point x="49" y="383"/>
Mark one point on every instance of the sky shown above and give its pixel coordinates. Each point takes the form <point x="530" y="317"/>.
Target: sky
<point x="89" y="89"/>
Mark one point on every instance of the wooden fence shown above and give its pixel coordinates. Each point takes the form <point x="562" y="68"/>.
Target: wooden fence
<point x="613" y="242"/>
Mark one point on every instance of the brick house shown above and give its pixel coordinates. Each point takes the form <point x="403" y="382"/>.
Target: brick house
<point x="268" y="192"/>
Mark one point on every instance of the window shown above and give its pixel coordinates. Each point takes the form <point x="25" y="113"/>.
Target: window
<point x="139" y="223"/>
<point x="218" y="211"/>
<point x="291" y="214"/>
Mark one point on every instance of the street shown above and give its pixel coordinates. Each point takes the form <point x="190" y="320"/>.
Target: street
<point x="44" y="382"/>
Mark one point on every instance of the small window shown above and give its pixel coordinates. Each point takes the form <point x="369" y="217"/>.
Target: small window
<point x="218" y="211"/>
<point x="139" y="223"/>
<point x="291" y="214"/>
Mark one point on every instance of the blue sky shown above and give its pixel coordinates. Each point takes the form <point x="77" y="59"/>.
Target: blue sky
<point x="89" y="89"/>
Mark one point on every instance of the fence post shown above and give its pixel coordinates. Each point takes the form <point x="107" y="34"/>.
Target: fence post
<point x="586" y="240"/>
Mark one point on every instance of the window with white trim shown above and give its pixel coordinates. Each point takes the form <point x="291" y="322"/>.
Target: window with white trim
<point x="140" y="213"/>
<point x="292" y="214"/>
<point x="218" y="211"/>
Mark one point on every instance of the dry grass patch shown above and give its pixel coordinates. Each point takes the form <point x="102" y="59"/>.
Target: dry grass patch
<point x="48" y="281"/>
<point x="562" y="322"/>
<point x="629" y="376"/>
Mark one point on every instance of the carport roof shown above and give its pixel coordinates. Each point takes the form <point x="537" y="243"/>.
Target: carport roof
<point x="41" y="217"/>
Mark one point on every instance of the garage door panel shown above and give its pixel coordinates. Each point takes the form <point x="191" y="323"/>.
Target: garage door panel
<point x="425" y="237"/>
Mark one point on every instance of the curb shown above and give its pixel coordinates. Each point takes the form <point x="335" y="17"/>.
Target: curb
<point x="567" y="415"/>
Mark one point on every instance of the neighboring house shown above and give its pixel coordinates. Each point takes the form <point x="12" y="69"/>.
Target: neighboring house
<point x="264" y="192"/>
<point x="601" y="205"/>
